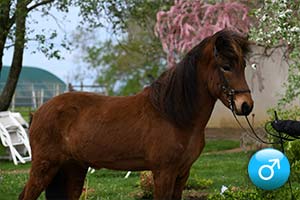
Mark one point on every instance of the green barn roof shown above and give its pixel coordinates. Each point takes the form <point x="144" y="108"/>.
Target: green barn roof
<point x="32" y="75"/>
<point x="32" y="82"/>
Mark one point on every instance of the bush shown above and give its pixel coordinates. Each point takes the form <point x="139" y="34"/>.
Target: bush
<point x="292" y="148"/>
<point x="197" y="183"/>
<point x="256" y="194"/>
<point x="146" y="184"/>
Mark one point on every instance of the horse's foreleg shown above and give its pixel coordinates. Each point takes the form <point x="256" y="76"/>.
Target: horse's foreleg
<point x="41" y="174"/>
<point x="180" y="184"/>
<point x="164" y="181"/>
<point x="75" y="176"/>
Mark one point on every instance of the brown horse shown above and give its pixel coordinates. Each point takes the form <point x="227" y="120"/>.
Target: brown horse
<point x="159" y="129"/>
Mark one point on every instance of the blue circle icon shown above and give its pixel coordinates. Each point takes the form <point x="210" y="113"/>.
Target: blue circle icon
<point x="269" y="169"/>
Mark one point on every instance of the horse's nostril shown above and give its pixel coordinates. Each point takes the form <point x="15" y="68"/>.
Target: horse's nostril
<point x="246" y="108"/>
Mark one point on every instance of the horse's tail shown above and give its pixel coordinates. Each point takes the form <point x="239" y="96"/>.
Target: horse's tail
<point x="57" y="188"/>
<point x="30" y="118"/>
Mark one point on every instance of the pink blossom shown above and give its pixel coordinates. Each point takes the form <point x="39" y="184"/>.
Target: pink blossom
<point x="189" y="22"/>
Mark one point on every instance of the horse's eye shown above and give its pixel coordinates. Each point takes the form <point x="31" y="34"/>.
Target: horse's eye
<point x="226" y="68"/>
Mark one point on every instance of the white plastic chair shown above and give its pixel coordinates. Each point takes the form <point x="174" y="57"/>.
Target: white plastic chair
<point x="20" y="119"/>
<point x="14" y="137"/>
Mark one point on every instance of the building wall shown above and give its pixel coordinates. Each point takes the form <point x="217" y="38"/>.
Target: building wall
<point x="265" y="90"/>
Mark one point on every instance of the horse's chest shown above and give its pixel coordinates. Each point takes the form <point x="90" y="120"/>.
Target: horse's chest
<point x="195" y="146"/>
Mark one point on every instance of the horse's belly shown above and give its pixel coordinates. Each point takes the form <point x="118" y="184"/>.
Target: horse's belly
<point x="136" y="164"/>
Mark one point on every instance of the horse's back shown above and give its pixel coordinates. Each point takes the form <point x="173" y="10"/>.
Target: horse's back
<point x="67" y="105"/>
<point x="72" y="120"/>
<point x="57" y="115"/>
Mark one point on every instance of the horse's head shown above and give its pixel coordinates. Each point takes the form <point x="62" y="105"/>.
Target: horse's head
<point x="226" y="74"/>
<point x="217" y="64"/>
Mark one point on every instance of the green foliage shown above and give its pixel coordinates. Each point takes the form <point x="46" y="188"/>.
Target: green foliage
<point x="123" y="68"/>
<point x="256" y="194"/>
<point x="292" y="149"/>
<point x="120" y="14"/>
<point x="278" y="24"/>
<point x="236" y="195"/>
<point x="292" y="113"/>
<point x="293" y="153"/>
<point x="124" y="64"/>
<point x="197" y="183"/>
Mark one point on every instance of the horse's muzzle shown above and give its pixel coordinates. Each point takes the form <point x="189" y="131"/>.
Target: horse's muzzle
<point x="246" y="108"/>
<point x="243" y="108"/>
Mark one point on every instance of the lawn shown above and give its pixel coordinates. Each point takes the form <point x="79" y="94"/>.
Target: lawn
<point x="213" y="166"/>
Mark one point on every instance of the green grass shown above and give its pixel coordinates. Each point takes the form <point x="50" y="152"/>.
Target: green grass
<point x="109" y="184"/>
<point x="223" y="169"/>
<point x="2" y="149"/>
<point x="228" y="169"/>
<point x="220" y="145"/>
<point x="24" y="111"/>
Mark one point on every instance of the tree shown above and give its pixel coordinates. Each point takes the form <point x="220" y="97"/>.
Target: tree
<point x="278" y="25"/>
<point x="14" y="33"/>
<point x="189" y="22"/>
<point x="125" y="63"/>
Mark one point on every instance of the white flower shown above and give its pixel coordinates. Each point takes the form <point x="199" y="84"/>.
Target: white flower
<point x="281" y="14"/>
<point x="295" y="29"/>
<point x="278" y="29"/>
<point x="223" y="189"/>
<point x="263" y="18"/>
<point x="288" y="11"/>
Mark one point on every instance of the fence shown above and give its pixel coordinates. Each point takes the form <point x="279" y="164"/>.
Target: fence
<point x="90" y="88"/>
<point x="34" y="94"/>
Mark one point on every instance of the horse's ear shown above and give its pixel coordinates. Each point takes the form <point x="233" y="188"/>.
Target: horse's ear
<point x="245" y="45"/>
<point x="221" y="44"/>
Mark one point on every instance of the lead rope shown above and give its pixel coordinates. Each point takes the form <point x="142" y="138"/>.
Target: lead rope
<point x="257" y="138"/>
<point x="230" y="96"/>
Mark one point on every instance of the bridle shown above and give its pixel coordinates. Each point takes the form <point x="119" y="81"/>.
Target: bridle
<point x="226" y="89"/>
<point x="230" y="92"/>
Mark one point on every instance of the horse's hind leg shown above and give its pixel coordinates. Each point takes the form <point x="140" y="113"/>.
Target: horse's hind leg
<point x="68" y="182"/>
<point x="41" y="174"/>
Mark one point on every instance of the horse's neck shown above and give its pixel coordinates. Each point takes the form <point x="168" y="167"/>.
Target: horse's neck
<point x="206" y="106"/>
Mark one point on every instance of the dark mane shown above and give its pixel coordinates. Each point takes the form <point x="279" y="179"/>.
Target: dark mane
<point x="175" y="93"/>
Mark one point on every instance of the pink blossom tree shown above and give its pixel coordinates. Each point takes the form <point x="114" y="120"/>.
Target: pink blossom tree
<point x="188" y="22"/>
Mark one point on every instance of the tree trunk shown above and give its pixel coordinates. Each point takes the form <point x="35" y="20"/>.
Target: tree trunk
<point x="16" y="66"/>
<point x="4" y="26"/>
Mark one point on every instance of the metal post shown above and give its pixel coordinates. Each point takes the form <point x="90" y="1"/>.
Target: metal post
<point x="13" y="102"/>
<point x="42" y="97"/>
<point x="57" y="92"/>
<point x="33" y="98"/>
